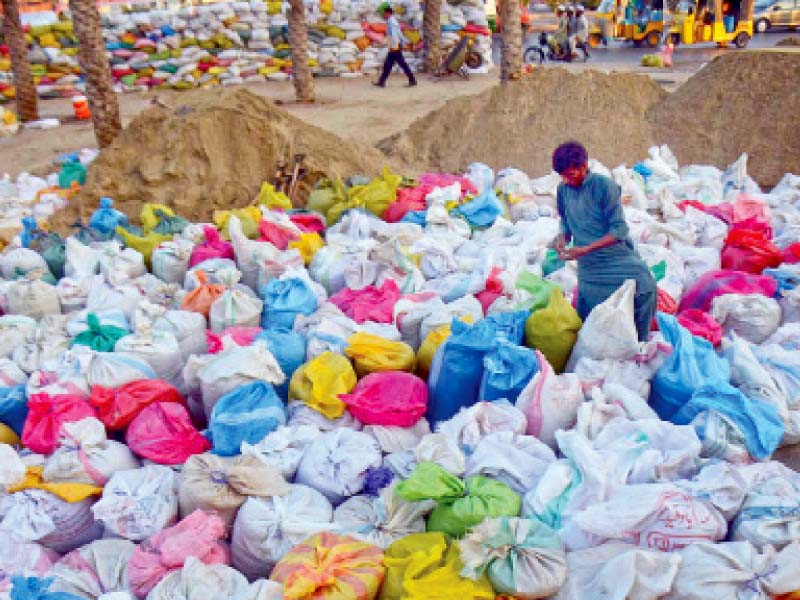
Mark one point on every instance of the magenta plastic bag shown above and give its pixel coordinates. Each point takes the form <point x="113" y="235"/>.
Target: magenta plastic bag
<point x="213" y="247"/>
<point x="388" y="398"/>
<point x="239" y="336"/>
<point x="701" y="324"/>
<point x="199" y="535"/>
<point x="437" y="180"/>
<point x="718" y="283"/>
<point x="368" y="304"/>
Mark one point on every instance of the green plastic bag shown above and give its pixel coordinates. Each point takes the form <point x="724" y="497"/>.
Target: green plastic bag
<point x="659" y="270"/>
<point x="71" y="172"/>
<point x="551" y="262"/>
<point x="553" y="330"/>
<point x="460" y="506"/>
<point x="54" y="253"/>
<point x="538" y="288"/>
<point x="374" y="197"/>
<point x="325" y="196"/>
<point x="100" y="338"/>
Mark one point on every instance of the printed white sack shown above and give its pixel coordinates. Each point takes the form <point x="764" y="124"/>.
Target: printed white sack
<point x="299" y="413"/>
<point x="267" y="528"/>
<point x="442" y="450"/>
<point x="170" y="260"/>
<point x="736" y="570"/>
<point x="86" y="455"/>
<point x="752" y="316"/>
<point x="519" y="461"/>
<point x="199" y="581"/>
<point x="158" y="349"/>
<point x="470" y="425"/>
<point x="235" y="308"/>
<point x="610" y="329"/>
<point x="14" y="331"/>
<point x="139" y="503"/>
<point x="95" y="569"/>
<point x="283" y="448"/>
<point x="397" y="439"/>
<point x="617" y="571"/>
<point x="335" y="463"/>
<point x="770" y="513"/>
<point x="381" y="519"/>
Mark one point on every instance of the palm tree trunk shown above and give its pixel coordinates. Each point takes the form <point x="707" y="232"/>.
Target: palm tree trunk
<point x="94" y="64"/>
<point x="298" y="40"/>
<point x="511" y="61"/>
<point x="27" y="102"/>
<point x="432" y="35"/>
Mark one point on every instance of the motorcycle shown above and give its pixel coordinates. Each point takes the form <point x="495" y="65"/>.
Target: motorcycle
<point x="550" y="49"/>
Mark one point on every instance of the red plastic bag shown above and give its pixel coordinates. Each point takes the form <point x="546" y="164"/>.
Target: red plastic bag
<point x="747" y="212"/>
<point x="46" y="415"/>
<point x="213" y="247"/>
<point x="408" y="200"/>
<point x="749" y="251"/>
<point x="308" y="222"/>
<point x="369" y="303"/>
<point x="718" y="283"/>
<point x="276" y="235"/>
<point x="163" y="432"/>
<point x="666" y="304"/>
<point x="203" y="296"/>
<point x="493" y="290"/>
<point x="388" y="398"/>
<point x="240" y="336"/>
<point x="116" y="408"/>
<point x="199" y="535"/>
<point x="701" y="324"/>
<point x="791" y="254"/>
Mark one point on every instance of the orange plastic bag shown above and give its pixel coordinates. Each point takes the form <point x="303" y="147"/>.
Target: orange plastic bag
<point x="203" y="296"/>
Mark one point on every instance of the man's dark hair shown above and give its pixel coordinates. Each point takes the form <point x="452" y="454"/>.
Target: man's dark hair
<point x="388" y="9"/>
<point x="569" y="154"/>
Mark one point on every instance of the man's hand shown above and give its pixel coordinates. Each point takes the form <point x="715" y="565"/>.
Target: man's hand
<point x="573" y="253"/>
<point x="559" y="244"/>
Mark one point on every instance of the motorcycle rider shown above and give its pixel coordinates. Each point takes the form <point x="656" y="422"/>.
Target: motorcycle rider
<point x="572" y="28"/>
<point x="559" y="39"/>
<point x="581" y="37"/>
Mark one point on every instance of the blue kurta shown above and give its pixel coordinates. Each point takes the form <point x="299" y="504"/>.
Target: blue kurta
<point x="587" y="214"/>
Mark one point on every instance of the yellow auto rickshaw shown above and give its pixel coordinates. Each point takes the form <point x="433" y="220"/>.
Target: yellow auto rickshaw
<point x="719" y="21"/>
<point x="638" y="21"/>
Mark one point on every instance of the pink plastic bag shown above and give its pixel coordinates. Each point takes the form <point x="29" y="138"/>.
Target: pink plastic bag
<point x="199" y="535"/>
<point x="163" y="432"/>
<point x="276" y="235"/>
<point x="750" y="251"/>
<point x="493" y="290"/>
<point x="369" y="303"/>
<point x="213" y="247"/>
<point x="747" y="212"/>
<point x="434" y="180"/>
<point x="388" y="398"/>
<point x="308" y="222"/>
<point x="408" y="200"/>
<point x="46" y="415"/>
<point x="701" y="324"/>
<point x="718" y="283"/>
<point x="240" y="336"/>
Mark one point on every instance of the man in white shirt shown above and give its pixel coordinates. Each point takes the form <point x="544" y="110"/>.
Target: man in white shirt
<point x="395" y="56"/>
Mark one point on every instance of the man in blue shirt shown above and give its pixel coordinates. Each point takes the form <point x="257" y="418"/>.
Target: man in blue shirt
<point x="592" y="218"/>
<point x="395" y="56"/>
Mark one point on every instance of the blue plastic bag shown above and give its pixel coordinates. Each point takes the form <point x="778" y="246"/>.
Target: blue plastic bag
<point x="14" y="407"/>
<point x="284" y="299"/>
<point x="507" y="370"/>
<point x="758" y="421"/>
<point x="787" y="279"/>
<point x="247" y="414"/>
<point x="33" y="588"/>
<point x="106" y="219"/>
<point x="510" y="325"/>
<point x="457" y="368"/>
<point x="289" y="349"/>
<point x="692" y="364"/>
<point x="28" y="233"/>
<point x="482" y="210"/>
<point x="418" y="217"/>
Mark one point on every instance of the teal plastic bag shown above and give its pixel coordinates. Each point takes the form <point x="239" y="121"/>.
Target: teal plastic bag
<point x="100" y="338"/>
<point x="71" y="172"/>
<point x="551" y="262"/>
<point x="169" y="225"/>
<point x="54" y="253"/>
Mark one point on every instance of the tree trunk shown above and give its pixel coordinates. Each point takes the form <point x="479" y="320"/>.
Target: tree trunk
<point x="298" y="40"/>
<point x="27" y="102"/>
<point x="94" y="64"/>
<point x="511" y="61"/>
<point x="432" y="35"/>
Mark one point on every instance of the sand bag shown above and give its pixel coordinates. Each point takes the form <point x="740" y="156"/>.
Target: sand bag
<point x="507" y="370"/>
<point x="245" y="415"/>
<point x="289" y="349"/>
<point x="47" y="414"/>
<point x="329" y="566"/>
<point x="98" y="568"/>
<point x="117" y="407"/>
<point x="701" y="293"/>
<point x="320" y="381"/>
<point x="200" y="581"/>
<point x="32" y="297"/>
<point x="522" y="557"/>
<point x="369" y="303"/>
<point x="752" y="316"/>
<point x="171" y="261"/>
<point x="163" y="433"/>
<point x="335" y="463"/>
<point x="139" y="503"/>
<point x="23" y="558"/>
<point x="373" y="354"/>
<point x="770" y="514"/>
<point x="398" y="439"/>
<point x="390" y="398"/>
<point x="283" y="448"/>
<point x="266" y="529"/>
<point x="189" y="328"/>
<point x="221" y="485"/>
<point x="235" y="308"/>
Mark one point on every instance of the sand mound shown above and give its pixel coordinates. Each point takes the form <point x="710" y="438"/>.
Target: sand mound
<point x="741" y="102"/>
<point x="789" y="42"/>
<point x="520" y="124"/>
<point x="213" y="151"/>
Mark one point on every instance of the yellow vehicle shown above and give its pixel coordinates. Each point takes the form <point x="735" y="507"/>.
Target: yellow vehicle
<point x="638" y="21"/>
<point x="720" y="21"/>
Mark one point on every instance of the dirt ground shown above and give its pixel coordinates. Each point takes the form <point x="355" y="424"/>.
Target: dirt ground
<point x="352" y="109"/>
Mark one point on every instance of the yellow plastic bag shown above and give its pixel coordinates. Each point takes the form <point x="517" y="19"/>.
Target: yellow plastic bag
<point x="70" y="492"/>
<point x="428" y="348"/>
<point x="319" y="382"/>
<point x="553" y="330"/>
<point x="273" y="199"/>
<point x="7" y="435"/>
<point x="423" y="566"/>
<point x="148" y="215"/>
<point x="326" y="6"/>
<point x="372" y="354"/>
<point x="144" y="245"/>
<point x="249" y="216"/>
<point x="374" y="197"/>
<point x="308" y="244"/>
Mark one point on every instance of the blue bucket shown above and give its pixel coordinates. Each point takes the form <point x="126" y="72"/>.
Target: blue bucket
<point x="730" y="23"/>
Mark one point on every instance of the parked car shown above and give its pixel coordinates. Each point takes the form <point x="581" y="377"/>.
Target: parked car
<point x="776" y="13"/>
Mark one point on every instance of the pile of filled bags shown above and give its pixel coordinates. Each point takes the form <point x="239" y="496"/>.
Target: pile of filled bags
<point x="230" y="43"/>
<point x="389" y="394"/>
